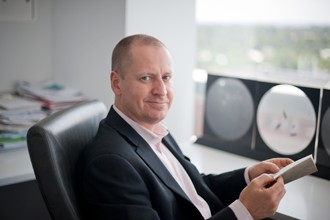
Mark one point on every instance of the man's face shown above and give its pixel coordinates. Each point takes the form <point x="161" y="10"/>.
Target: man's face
<point x="144" y="92"/>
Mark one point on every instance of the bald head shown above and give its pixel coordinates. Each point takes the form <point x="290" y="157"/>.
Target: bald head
<point x="121" y="55"/>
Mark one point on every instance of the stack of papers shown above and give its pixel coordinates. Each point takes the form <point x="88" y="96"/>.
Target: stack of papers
<point x="16" y="116"/>
<point x="54" y="96"/>
<point x="30" y="104"/>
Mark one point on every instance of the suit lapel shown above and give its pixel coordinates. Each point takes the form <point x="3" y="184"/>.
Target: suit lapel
<point x="202" y="189"/>
<point x="154" y="163"/>
<point x="144" y="151"/>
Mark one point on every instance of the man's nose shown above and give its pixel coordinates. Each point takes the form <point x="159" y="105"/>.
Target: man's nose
<point x="160" y="87"/>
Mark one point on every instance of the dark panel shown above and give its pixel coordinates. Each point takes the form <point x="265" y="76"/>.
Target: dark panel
<point x="22" y="201"/>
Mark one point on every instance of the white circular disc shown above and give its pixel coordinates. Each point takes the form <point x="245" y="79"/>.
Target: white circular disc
<point x="229" y="108"/>
<point x="286" y="119"/>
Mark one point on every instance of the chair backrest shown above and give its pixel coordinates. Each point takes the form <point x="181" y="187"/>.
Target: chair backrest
<point x="54" y="145"/>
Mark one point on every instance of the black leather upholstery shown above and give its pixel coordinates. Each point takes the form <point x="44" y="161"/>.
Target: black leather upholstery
<point x="54" y="145"/>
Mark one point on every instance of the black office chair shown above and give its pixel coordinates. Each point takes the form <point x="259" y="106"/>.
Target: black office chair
<point x="54" y="144"/>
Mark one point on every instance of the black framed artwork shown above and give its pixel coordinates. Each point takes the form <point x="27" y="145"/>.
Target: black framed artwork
<point x="323" y="150"/>
<point x="286" y="120"/>
<point x="229" y="114"/>
<point x="262" y="120"/>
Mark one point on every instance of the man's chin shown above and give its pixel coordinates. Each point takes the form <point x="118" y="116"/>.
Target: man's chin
<point x="158" y="118"/>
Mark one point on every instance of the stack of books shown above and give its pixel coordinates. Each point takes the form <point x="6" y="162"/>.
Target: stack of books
<point x="54" y="96"/>
<point x="29" y="104"/>
<point x="16" y="116"/>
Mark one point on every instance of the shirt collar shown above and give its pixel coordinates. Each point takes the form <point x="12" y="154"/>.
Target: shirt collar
<point x="152" y="137"/>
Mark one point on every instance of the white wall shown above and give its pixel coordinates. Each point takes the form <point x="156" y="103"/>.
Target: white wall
<point x="84" y="34"/>
<point x="26" y="48"/>
<point x="173" y="22"/>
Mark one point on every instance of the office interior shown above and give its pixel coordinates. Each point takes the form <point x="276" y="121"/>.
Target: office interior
<point x="71" y="42"/>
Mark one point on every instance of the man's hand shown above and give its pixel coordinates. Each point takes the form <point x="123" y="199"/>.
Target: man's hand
<point x="268" y="166"/>
<point x="262" y="196"/>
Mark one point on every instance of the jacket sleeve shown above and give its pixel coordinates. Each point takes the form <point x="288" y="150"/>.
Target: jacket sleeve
<point x="225" y="213"/>
<point x="226" y="186"/>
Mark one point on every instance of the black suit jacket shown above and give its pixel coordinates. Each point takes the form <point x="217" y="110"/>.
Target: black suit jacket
<point x="120" y="177"/>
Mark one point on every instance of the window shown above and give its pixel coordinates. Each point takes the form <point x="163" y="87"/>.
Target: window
<point x="264" y="36"/>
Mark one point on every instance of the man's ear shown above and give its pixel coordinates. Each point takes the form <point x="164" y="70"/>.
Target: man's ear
<point x="115" y="82"/>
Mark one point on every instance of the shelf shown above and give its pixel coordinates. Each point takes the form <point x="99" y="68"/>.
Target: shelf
<point x="15" y="166"/>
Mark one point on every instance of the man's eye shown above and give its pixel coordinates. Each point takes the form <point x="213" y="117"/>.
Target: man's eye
<point x="145" y="78"/>
<point x="167" y="78"/>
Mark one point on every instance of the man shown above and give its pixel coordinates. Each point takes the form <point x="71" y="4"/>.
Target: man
<point x="134" y="169"/>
